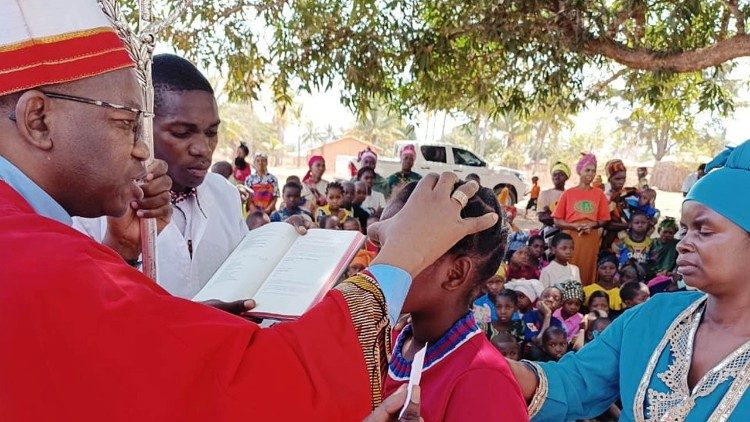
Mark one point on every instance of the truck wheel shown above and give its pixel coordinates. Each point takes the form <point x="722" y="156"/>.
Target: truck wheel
<point x="513" y="194"/>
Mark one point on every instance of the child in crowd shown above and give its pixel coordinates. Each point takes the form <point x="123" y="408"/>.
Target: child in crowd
<point x="537" y="256"/>
<point x="632" y="271"/>
<point x="537" y="321"/>
<point x="572" y="299"/>
<point x="634" y="243"/>
<point x="632" y="293"/>
<point x="506" y="304"/>
<point x="560" y="269"/>
<point x="334" y="197"/>
<point x="606" y="272"/>
<point x="664" y="248"/>
<point x="533" y="197"/>
<point x="644" y="202"/>
<point x="527" y="291"/>
<point x="518" y="237"/>
<point x="474" y="177"/>
<point x="303" y="203"/>
<point x="291" y="194"/>
<point x="463" y="373"/>
<point x="257" y="219"/>
<point x="351" y="224"/>
<point x="598" y="301"/>
<point x="507" y="345"/>
<point x="554" y="345"/>
<point x="484" y="308"/>
<point x="520" y="266"/>
<point x="223" y="168"/>
<point x="329" y="222"/>
<point x="375" y="201"/>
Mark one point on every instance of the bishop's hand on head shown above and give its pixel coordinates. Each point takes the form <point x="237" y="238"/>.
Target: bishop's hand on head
<point x="432" y="212"/>
<point x="151" y="200"/>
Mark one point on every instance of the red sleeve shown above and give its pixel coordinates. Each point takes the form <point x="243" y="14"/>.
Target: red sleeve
<point x="96" y="340"/>
<point x="486" y="394"/>
<point x="561" y="209"/>
<point x="603" y="208"/>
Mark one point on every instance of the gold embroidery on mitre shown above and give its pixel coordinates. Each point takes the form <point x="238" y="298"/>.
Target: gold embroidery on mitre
<point x="56" y="38"/>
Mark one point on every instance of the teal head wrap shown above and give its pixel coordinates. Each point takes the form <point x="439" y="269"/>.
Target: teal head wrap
<point x="726" y="186"/>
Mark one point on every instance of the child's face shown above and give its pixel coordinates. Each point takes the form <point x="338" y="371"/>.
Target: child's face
<point x="536" y="249"/>
<point x="564" y="251"/>
<point x="505" y="309"/>
<point x="520" y="257"/>
<point x="599" y="304"/>
<point x="351" y="224"/>
<point x="335" y="198"/>
<point x="642" y="296"/>
<point x="369" y="179"/>
<point x="647" y="198"/>
<point x="628" y="274"/>
<point x="639" y="224"/>
<point x="607" y="271"/>
<point x="494" y="284"/>
<point x="524" y="303"/>
<point x="332" y="223"/>
<point x="510" y="350"/>
<point x="348" y="195"/>
<point x="571" y="306"/>
<point x="559" y="178"/>
<point x="556" y="346"/>
<point x="596" y="328"/>
<point x="535" y="180"/>
<point x="292" y="198"/>
<point x="666" y="235"/>
<point x="360" y="192"/>
<point x="552" y="297"/>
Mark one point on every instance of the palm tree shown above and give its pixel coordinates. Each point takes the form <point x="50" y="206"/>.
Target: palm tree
<point x="379" y="127"/>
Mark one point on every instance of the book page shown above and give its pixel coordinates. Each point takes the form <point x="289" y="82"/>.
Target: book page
<point x="309" y="269"/>
<point x="244" y="271"/>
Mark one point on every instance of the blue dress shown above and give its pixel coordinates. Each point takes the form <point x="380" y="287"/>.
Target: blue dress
<point x="644" y="357"/>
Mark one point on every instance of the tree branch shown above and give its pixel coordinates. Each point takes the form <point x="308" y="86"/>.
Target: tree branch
<point x="683" y="61"/>
<point x="738" y="16"/>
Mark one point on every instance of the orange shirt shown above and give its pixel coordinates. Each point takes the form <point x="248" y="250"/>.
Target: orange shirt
<point x="535" y="191"/>
<point x="577" y="204"/>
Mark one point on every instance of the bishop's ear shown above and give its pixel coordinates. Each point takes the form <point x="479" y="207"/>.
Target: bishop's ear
<point x="32" y="116"/>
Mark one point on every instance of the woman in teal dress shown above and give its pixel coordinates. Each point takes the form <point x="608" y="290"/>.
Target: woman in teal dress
<point x="680" y="356"/>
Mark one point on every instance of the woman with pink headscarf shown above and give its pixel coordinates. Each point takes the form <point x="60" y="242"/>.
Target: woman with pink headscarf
<point x="408" y="155"/>
<point x="313" y="185"/>
<point x="581" y="212"/>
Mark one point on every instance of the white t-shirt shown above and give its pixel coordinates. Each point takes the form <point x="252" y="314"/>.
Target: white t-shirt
<point x="555" y="273"/>
<point x="214" y="229"/>
<point x="373" y="202"/>
<point x="689" y="182"/>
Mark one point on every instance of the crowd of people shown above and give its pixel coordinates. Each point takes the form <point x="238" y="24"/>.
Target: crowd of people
<point x="583" y="317"/>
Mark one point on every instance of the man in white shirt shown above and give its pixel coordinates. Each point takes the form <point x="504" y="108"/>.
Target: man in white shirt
<point x="207" y="221"/>
<point x="692" y="179"/>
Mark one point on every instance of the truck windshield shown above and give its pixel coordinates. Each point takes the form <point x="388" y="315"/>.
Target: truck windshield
<point x="433" y="153"/>
<point x="466" y="158"/>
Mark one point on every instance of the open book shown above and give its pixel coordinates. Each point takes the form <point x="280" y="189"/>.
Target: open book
<point x="284" y="272"/>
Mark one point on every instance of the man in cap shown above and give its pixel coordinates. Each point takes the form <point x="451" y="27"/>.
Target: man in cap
<point x="87" y="337"/>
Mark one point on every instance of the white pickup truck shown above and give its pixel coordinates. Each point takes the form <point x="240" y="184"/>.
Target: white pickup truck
<point x="439" y="157"/>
